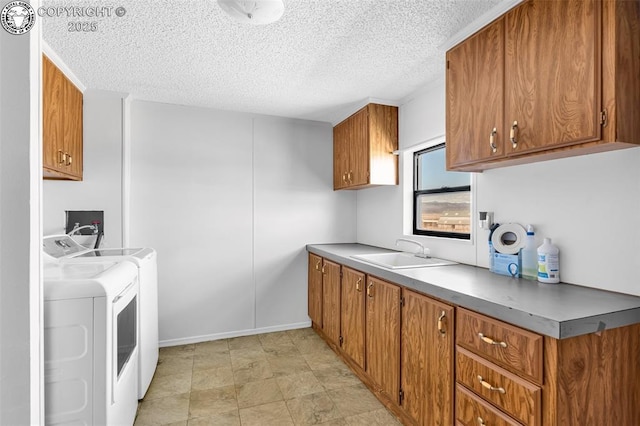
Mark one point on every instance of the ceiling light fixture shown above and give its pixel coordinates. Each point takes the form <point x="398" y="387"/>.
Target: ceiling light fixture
<point x="256" y="12"/>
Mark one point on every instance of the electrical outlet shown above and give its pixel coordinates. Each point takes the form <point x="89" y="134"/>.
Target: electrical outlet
<point x="82" y="218"/>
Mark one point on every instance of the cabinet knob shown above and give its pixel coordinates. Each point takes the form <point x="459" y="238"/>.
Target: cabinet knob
<point x="492" y="140"/>
<point x="513" y="135"/>
<point x="489" y="386"/>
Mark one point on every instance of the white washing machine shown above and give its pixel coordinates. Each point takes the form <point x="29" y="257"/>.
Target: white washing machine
<point x="90" y="342"/>
<point x="66" y="249"/>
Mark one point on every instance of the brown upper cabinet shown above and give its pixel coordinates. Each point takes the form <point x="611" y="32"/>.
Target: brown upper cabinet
<point x="61" y="125"/>
<point x="546" y="80"/>
<point x="363" y="146"/>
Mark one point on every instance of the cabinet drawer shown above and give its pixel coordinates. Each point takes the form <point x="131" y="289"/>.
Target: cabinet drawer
<point x="512" y="394"/>
<point x="513" y="348"/>
<point x="473" y="411"/>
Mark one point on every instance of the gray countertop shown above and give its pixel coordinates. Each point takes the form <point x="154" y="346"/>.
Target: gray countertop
<point x="555" y="310"/>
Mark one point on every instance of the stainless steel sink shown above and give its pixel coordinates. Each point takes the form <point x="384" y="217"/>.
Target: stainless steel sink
<point x="399" y="260"/>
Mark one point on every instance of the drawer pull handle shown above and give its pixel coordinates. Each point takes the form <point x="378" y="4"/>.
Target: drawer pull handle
<point x="490" y="341"/>
<point x="513" y="134"/>
<point x="481" y="422"/>
<point x="492" y="140"/>
<point x="440" y="323"/>
<point x="490" y="386"/>
<point x="358" y="288"/>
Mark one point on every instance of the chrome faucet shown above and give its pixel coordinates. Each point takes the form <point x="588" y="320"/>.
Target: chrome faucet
<point x="423" y="252"/>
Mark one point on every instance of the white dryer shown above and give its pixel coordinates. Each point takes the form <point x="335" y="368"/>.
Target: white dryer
<point x="90" y="343"/>
<point x="66" y="249"/>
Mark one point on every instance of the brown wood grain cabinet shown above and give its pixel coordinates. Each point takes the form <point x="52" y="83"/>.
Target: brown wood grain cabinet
<point x="427" y="359"/>
<point x="62" y="143"/>
<point x="383" y="336"/>
<point x="435" y="364"/>
<point x="315" y="289"/>
<point x="549" y="79"/>
<point x="363" y="146"/>
<point x="352" y="314"/>
<point x="331" y="300"/>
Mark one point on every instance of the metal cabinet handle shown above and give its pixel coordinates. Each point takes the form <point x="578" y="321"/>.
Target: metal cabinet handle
<point x="370" y="289"/>
<point x="69" y="159"/>
<point x="481" y="422"/>
<point x="492" y="140"/>
<point x="490" y="341"/>
<point x="322" y="270"/>
<point x="349" y="176"/>
<point x="62" y="157"/>
<point x="318" y="265"/>
<point x="358" y="288"/>
<point x="344" y="177"/>
<point x="513" y="134"/>
<point x="489" y="386"/>
<point x="440" y="323"/>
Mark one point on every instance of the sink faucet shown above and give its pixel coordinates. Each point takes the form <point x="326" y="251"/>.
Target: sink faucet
<point x="424" y="252"/>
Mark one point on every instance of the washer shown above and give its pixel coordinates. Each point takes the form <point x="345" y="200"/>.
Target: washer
<point x="66" y="249"/>
<point x="90" y="342"/>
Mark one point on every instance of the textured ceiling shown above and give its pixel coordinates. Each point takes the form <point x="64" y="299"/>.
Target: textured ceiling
<point x="322" y="56"/>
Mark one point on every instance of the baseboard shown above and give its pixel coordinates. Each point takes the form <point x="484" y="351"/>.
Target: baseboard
<point x="230" y="334"/>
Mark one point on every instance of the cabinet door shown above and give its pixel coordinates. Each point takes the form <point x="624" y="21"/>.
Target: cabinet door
<point x="340" y="155"/>
<point x="353" y="314"/>
<point x="315" y="289"/>
<point x="72" y="126"/>
<point x="53" y="149"/>
<point x="383" y="336"/>
<point x="553" y="75"/>
<point x="427" y="359"/>
<point x="331" y="300"/>
<point x="358" y="173"/>
<point x="474" y="97"/>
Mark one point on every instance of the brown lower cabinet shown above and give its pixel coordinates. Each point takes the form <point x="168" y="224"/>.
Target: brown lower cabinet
<point x="431" y="363"/>
<point x="353" y="315"/>
<point x="427" y="345"/>
<point x="383" y="337"/>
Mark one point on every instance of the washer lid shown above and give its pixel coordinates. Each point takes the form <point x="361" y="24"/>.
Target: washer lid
<point x="87" y="279"/>
<point x="110" y="252"/>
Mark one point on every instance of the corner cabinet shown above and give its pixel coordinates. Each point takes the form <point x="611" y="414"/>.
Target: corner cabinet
<point x="62" y="104"/>
<point x="363" y="146"/>
<point x="526" y="88"/>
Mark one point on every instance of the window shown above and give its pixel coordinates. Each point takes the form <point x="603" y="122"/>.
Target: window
<point x="441" y="199"/>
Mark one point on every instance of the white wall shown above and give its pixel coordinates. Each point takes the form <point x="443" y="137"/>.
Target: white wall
<point x="20" y="243"/>
<point x="101" y="186"/>
<point x="229" y="201"/>
<point x="589" y="205"/>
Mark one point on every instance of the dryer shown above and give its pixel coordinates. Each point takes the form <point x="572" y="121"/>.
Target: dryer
<point x="90" y="342"/>
<point x="66" y="249"/>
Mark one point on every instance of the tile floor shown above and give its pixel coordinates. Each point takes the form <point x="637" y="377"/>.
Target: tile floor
<point x="283" y="378"/>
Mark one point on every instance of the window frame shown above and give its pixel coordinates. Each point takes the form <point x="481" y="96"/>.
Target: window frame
<point x="417" y="193"/>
